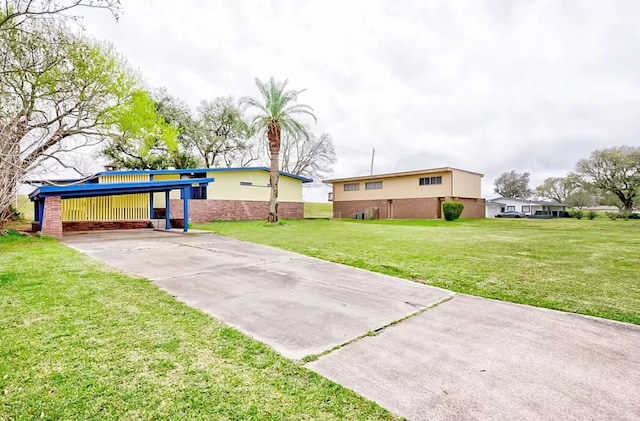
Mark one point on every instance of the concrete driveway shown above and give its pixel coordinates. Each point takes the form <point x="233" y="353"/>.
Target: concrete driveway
<point x="419" y="351"/>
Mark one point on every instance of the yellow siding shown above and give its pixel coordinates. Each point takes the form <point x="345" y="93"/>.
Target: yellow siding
<point x="466" y="184"/>
<point x="130" y="178"/>
<point x="227" y="186"/>
<point x="128" y="207"/>
<point x="403" y="187"/>
<point x="158" y="198"/>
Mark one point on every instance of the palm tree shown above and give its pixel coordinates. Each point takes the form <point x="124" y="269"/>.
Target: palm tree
<point x="277" y="109"/>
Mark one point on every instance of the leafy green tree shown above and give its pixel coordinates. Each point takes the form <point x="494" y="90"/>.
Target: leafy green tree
<point x="559" y="188"/>
<point x="513" y="185"/>
<point x="144" y="139"/>
<point x="277" y="109"/>
<point x="59" y="92"/>
<point x="221" y="133"/>
<point x="615" y="170"/>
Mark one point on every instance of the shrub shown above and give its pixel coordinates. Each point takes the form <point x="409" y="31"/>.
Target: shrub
<point x="578" y="214"/>
<point x="634" y="216"/>
<point x="612" y="215"/>
<point x="452" y="210"/>
<point x="592" y="215"/>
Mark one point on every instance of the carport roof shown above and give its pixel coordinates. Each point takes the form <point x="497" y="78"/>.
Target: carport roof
<point x="109" y="189"/>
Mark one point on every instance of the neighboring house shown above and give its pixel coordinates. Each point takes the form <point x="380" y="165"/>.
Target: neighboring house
<point x="528" y="207"/>
<point x="493" y="208"/>
<point x="131" y="199"/>
<point x="408" y="195"/>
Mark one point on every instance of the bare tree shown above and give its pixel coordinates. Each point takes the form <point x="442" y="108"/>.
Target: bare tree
<point x="310" y="156"/>
<point x="15" y="14"/>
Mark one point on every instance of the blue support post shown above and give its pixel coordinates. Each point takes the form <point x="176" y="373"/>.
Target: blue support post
<point x="186" y="194"/>
<point x="167" y="206"/>
<point x="151" y="215"/>
<point x="40" y="213"/>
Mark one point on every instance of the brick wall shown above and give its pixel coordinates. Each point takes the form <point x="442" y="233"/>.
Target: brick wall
<point x="234" y="210"/>
<point x="419" y="208"/>
<point x="100" y="225"/>
<point x="52" y="222"/>
<point x="473" y="208"/>
<point x="104" y="225"/>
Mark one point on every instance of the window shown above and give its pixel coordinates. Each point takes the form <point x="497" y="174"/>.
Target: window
<point x="511" y="208"/>
<point x="198" y="192"/>
<point x="373" y="185"/>
<point x="426" y="181"/>
<point x="526" y="209"/>
<point x="352" y="186"/>
<point x="246" y="183"/>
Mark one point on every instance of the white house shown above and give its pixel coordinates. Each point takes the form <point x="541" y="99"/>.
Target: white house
<point x="528" y="207"/>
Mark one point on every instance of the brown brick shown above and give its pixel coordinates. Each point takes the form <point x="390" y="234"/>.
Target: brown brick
<point x="52" y="222"/>
<point x="234" y="210"/>
<point x="419" y="208"/>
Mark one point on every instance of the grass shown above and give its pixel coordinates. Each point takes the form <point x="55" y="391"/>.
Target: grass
<point x="579" y="266"/>
<point x="318" y="210"/>
<point x="80" y="341"/>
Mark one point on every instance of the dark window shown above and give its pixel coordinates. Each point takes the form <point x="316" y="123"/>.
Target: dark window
<point x="511" y="208"/>
<point x="373" y="185"/>
<point x="246" y="183"/>
<point x="352" y="186"/>
<point x="426" y="181"/>
<point x="199" y="192"/>
<point x="526" y="209"/>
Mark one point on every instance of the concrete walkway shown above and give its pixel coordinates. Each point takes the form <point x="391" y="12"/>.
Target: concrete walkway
<point x="419" y="351"/>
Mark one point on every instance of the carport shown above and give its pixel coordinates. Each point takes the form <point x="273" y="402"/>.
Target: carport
<point x="47" y="199"/>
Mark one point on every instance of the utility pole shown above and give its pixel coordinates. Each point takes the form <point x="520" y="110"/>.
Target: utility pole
<point x="373" y="154"/>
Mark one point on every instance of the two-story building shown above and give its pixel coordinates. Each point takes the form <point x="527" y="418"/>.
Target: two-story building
<point x="408" y="195"/>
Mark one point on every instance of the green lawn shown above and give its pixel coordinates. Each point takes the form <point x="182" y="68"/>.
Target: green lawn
<point x="79" y="341"/>
<point x="318" y="210"/>
<point x="581" y="266"/>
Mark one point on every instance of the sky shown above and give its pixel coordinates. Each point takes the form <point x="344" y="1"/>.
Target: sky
<point x="487" y="86"/>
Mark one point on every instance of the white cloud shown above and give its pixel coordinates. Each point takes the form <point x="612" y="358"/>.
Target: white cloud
<point x="487" y="86"/>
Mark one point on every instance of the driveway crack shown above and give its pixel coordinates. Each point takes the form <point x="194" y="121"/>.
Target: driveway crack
<point x="376" y="332"/>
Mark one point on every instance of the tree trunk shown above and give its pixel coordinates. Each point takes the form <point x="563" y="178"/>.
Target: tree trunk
<point x="10" y="174"/>
<point x="274" y="173"/>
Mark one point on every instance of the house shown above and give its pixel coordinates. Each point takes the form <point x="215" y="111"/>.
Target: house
<point x="408" y="195"/>
<point x="132" y="199"/>
<point x="237" y="194"/>
<point x="528" y="207"/>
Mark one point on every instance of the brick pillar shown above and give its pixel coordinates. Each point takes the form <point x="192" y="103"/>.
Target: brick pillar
<point x="52" y="223"/>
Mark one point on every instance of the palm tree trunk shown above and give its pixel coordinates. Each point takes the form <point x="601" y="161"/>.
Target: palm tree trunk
<point x="274" y="173"/>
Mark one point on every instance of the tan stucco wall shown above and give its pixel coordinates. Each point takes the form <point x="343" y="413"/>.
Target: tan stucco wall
<point x="404" y="187"/>
<point x="466" y="184"/>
